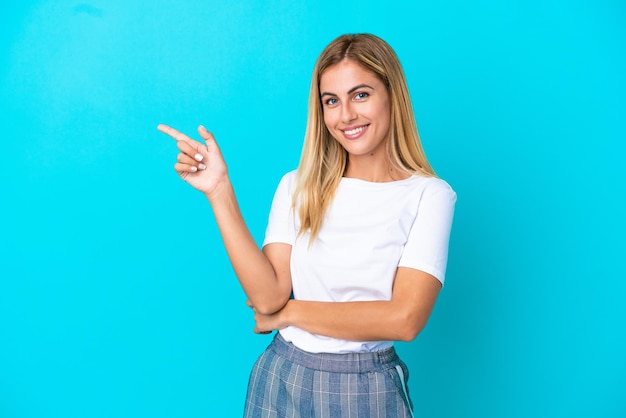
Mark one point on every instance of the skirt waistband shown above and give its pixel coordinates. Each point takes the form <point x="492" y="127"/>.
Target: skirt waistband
<point x="375" y="361"/>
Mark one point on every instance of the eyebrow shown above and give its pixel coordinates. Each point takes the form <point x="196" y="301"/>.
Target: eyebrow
<point x="352" y="90"/>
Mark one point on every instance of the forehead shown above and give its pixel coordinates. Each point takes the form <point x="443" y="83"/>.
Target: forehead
<point x="345" y="75"/>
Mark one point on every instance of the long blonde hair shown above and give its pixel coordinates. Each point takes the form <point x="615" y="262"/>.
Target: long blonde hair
<point x="323" y="161"/>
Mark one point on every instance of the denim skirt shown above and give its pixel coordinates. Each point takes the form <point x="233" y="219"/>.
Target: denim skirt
<point x="289" y="382"/>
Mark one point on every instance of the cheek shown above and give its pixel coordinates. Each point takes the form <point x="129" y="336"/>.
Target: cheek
<point x="331" y="124"/>
<point x="384" y="115"/>
<point x="328" y="120"/>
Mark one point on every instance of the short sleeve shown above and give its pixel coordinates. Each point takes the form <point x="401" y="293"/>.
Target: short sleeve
<point x="427" y="245"/>
<point x="281" y="225"/>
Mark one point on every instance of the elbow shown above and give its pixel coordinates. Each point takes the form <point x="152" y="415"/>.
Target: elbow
<point x="268" y="303"/>
<point x="271" y="306"/>
<point x="409" y="333"/>
<point x="266" y="309"/>
<point x="409" y="328"/>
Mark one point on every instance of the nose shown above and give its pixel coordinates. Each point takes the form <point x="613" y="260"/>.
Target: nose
<point x="348" y="113"/>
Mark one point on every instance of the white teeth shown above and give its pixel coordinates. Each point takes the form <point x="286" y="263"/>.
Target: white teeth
<point x="355" y="130"/>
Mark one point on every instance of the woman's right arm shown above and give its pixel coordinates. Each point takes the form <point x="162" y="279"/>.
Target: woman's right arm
<point x="264" y="275"/>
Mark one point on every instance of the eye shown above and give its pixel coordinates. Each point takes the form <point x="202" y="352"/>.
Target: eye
<point x="331" y="102"/>
<point x="361" y="96"/>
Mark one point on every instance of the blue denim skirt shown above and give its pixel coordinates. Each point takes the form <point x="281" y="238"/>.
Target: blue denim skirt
<point x="289" y="382"/>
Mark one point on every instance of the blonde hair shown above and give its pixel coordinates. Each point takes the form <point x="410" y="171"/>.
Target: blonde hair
<point x="323" y="161"/>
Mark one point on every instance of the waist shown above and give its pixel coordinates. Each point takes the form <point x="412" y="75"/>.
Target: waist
<point x="374" y="361"/>
<point x="314" y="343"/>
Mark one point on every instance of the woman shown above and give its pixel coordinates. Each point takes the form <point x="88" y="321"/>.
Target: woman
<point x="358" y="234"/>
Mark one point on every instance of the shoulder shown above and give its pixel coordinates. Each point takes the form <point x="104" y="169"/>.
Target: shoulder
<point x="429" y="184"/>
<point x="437" y="185"/>
<point x="287" y="183"/>
<point x="433" y="188"/>
<point x="289" y="176"/>
<point x="288" y="179"/>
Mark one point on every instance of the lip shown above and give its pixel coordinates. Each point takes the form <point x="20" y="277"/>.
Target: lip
<point x="361" y="129"/>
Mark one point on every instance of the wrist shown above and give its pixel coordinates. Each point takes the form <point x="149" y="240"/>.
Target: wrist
<point x="221" y="192"/>
<point x="288" y="313"/>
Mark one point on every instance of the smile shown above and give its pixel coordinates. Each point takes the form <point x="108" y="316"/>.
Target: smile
<point x="355" y="132"/>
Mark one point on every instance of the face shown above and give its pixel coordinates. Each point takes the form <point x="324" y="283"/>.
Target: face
<point x="356" y="109"/>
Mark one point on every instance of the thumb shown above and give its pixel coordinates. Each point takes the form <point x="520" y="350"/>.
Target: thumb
<point x="209" y="140"/>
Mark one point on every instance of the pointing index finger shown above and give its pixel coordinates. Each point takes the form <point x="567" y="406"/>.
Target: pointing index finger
<point x="177" y="135"/>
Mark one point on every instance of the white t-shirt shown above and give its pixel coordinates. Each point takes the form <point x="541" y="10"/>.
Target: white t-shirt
<point x="370" y="230"/>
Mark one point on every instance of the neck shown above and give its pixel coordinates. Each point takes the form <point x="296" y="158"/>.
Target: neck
<point x="373" y="170"/>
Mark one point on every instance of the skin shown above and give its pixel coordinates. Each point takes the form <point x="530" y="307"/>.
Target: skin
<point x="354" y="99"/>
<point x="357" y="114"/>
<point x="264" y="275"/>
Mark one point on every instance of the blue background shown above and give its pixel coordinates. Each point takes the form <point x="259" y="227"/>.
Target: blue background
<point x="116" y="297"/>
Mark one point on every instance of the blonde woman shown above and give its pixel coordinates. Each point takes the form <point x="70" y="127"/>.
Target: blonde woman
<point x="356" y="245"/>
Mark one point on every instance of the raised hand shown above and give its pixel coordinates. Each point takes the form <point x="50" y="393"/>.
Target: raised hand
<point x="200" y="165"/>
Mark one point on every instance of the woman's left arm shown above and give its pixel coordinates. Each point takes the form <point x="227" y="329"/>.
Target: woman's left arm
<point x="401" y="318"/>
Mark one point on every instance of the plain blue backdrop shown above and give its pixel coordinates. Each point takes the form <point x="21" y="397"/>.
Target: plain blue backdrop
<point x="116" y="296"/>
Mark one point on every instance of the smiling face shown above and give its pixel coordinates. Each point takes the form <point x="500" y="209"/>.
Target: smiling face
<point x="357" y="110"/>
